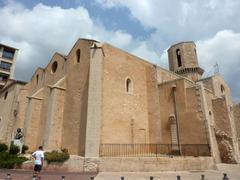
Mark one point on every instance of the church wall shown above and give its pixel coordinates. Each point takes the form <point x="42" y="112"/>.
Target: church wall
<point x="192" y="128"/>
<point x="52" y="108"/>
<point x="211" y="124"/>
<point x="61" y="119"/>
<point x="76" y="96"/>
<point x="166" y="109"/>
<point x="208" y="83"/>
<point x="209" y="96"/>
<point x="37" y="81"/>
<point x="236" y="110"/>
<point x="8" y="112"/>
<point x="32" y="124"/>
<point x="125" y="114"/>
<point x="193" y="125"/>
<point x="221" y="116"/>
<point x="165" y="75"/>
<point x="39" y="91"/>
<point x="221" y="89"/>
<point x="225" y="138"/>
<point x="154" y="117"/>
<point x="167" y="105"/>
<point x="22" y="102"/>
<point x="54" y="121"/>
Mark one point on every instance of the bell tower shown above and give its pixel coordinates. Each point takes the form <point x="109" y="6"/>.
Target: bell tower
<point x="183" y="60"/>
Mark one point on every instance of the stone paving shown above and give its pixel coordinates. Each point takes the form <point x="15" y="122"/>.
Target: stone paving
<point x="209" y="175"/>
<point x="233" y="172"/>
<point x="27" y="175"/>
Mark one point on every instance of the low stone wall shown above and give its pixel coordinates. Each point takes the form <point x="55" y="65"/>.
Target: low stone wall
<point x="129" y="164"/>
<point x="156" y="164"/>
<point x="74" y="164"/>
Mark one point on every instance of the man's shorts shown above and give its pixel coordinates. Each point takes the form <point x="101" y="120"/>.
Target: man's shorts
<point x="37" y="167"/>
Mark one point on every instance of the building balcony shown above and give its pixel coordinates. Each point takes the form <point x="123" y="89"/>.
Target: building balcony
<point x="5" y="70"/>
<point x="6" y="60"/>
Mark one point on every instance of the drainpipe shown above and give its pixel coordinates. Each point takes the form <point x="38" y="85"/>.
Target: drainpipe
<point x="176" y="116"/>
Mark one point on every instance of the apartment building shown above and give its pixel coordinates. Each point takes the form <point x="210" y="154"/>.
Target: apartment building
<point x="7" y="63"/>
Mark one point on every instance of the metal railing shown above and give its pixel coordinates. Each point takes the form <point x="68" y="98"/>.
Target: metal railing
<point x="5" y="69"/>
<point x="153" y="150"/>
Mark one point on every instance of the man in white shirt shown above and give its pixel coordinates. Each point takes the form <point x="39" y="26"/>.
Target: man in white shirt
<point x="38" y="163"/>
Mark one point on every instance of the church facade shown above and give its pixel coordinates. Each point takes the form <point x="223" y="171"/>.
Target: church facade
<point x="99" y="97"/>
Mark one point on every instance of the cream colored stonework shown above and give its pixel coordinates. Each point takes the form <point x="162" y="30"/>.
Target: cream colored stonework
<point x="98" y="94"/>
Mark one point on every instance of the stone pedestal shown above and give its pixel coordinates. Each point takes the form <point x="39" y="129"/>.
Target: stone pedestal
<point x="18" y="143"/>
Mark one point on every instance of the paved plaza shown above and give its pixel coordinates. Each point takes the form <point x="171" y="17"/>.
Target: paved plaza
<point x="209" y="175"/>
<point x="27" y="175"/>
<point x="233" y="173"/>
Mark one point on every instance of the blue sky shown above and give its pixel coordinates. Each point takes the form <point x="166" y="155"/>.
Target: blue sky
<point x="145" y="28"/>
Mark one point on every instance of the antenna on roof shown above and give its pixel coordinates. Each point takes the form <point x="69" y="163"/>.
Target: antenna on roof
<point x="216" y="68"/>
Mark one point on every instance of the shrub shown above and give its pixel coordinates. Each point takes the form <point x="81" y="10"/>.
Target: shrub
<point x="14" y="149"/>
<point x="24" y="148"/>
<point x="3" y="147"/>
<point x="56" y="156"/>
<point x="9" y="161"/>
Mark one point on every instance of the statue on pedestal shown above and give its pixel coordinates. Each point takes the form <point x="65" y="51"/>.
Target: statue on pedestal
<point x="17" y="141"/>
<point x="19" y="134"/>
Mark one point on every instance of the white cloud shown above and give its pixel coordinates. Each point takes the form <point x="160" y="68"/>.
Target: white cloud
<point x="181" y="20"/>
<point x="156" y="13"/>
<point x="144" y="52"/>
<point x="203" y="21"/>
<point x="43" y="30"/>
<point x="223" y="49"/>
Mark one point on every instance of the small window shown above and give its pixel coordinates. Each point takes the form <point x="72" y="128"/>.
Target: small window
<point x="5" y="95"/>
<point x="222" y="89"/>
<point x="78" y="55"/>
<point x="37" y="78"/>
<point x="129" y="86"/>
<point x="54" y="66"/>
<point x="210" y="113"/>
<point x="179" y="60"/>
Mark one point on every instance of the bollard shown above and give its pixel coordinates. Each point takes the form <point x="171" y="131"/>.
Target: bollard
<point x="225" y="177"/>
<point x="92" y="178"/>
<point x="178" y="177"/>
<point x="34" y="177"/>
<point x="63" y="178"/>
<point x="9" y="176"/>
<point x="151" y="177"/>
<point x="203" y="177"/>
<point x="122" y="178"/>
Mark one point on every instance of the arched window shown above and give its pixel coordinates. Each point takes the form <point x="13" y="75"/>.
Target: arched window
<point x="5" y="95"/>
<point x="78" y="55"/>
<point x="179" y="60"/>
<point x="54" y="66"/>
<point x="222" y="89"/>
<point x="129" y="86"/>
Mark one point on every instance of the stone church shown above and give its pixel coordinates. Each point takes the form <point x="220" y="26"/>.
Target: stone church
<point x="99" y="101"/>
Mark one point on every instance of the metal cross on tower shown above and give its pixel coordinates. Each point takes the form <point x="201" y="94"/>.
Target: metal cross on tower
<point x="216" y="68"/>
